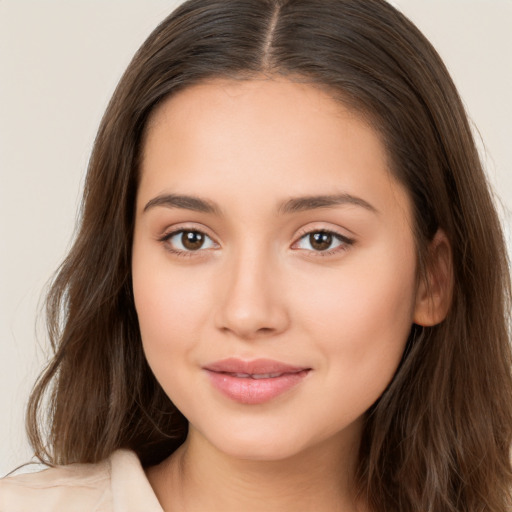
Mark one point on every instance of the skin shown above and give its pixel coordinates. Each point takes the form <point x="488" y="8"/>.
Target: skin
<point x="258" y="288"/>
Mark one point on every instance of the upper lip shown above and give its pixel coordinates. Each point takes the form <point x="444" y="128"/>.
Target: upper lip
<point x="254" y="367"/>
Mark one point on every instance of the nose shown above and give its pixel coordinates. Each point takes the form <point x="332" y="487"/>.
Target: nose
<point x="252" y="301"/>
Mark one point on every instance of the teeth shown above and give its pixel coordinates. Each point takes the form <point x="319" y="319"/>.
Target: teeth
<point x="256" y="375"/>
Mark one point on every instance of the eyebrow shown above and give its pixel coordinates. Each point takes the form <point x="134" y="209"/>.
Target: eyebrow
<point x="185" y="202"/>
<point x="292" y="205"/>
<point x="300" y="204"/>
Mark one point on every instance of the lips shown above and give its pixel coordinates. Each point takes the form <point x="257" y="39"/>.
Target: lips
<point x="254" y="382"/>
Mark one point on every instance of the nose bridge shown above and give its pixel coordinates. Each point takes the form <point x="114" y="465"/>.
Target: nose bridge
<point x="252" y="304"/>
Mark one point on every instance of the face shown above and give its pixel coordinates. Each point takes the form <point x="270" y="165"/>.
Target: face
<point x="274" y="265"/>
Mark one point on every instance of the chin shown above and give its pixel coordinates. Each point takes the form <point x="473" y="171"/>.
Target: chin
<point x="260" y="441"/>
<point x="260" y="449"/>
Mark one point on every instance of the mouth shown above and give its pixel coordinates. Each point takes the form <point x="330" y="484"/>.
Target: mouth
<point x="255" y="375"/>
<point x="254" y="382"/>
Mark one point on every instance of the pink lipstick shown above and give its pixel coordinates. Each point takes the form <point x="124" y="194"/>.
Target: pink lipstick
<point x="254" y="382"/>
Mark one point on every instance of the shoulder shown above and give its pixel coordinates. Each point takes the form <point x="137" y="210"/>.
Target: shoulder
<point x="76" y="487"/>
<point x="117" y="483"/>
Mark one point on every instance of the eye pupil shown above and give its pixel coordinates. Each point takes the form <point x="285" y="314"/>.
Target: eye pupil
<point x="320" y="241"/>
<point x="192" y="240"/>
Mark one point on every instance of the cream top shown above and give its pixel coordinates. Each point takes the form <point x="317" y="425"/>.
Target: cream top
<point x="117" y="484"/>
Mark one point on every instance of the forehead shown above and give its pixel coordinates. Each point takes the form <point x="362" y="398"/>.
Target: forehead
<point x="263" y="99"/>
<point x="263" y="138"/>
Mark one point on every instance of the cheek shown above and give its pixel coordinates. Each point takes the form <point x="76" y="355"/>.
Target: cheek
<point x="171" y="307"/>
<point x="361" y="320"/>
<point x="164" y="303"/>
<point x="374" y="288"/>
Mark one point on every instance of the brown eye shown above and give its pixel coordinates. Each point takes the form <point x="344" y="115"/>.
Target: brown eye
<point x="192" y="240"/>
<point x="187" y="241"/>
<point x="324" y="242"/>
<point x="320" y="241"/>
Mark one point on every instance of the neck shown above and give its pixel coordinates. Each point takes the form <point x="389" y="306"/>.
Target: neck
<point x="199" y="477"/>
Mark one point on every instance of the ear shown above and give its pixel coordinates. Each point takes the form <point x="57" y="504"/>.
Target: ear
<point x="434" y="294"/>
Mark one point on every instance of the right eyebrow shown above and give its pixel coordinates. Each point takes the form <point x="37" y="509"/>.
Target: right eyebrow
<point x="195" y="204"/>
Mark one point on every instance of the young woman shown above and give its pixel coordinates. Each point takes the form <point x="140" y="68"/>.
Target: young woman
<point x="289" y="289"/>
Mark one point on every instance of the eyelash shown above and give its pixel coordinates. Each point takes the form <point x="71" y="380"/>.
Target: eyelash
<point x="182" y="254"/>
<point x="345" y="242"/>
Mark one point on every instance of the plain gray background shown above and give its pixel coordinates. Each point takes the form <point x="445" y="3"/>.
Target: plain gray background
<point x="59" y="64"/>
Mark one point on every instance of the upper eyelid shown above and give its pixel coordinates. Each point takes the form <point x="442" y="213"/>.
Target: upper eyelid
<point x="169" y="231"/>
<point x="307" y="231"/>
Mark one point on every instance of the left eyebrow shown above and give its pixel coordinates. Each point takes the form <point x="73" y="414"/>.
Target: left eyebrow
<point x="300" y="204"/>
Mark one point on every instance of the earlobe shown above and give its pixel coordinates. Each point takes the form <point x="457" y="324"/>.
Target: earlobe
<point x="434" y="294"/>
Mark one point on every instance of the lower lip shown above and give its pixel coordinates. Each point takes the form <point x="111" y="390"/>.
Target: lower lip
<point x="254" y="391"/>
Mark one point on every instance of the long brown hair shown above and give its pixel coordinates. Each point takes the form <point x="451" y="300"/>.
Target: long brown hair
<point x="439" y="437"/>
